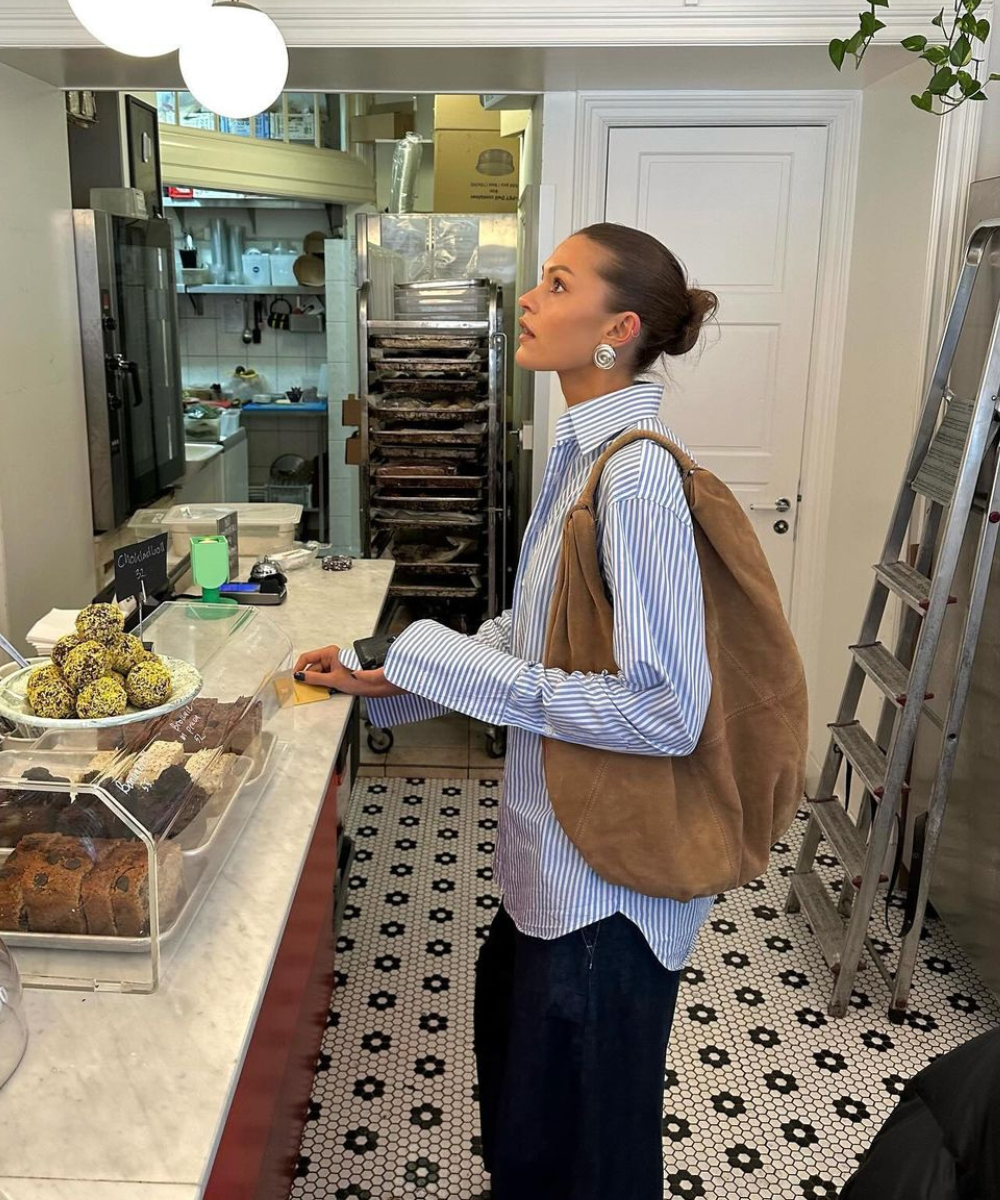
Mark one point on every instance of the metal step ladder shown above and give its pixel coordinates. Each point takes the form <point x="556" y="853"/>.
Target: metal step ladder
<point x="946" y="459"/>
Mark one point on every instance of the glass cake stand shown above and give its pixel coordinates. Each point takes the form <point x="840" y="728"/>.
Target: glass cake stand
<point x="13" y="1026"/>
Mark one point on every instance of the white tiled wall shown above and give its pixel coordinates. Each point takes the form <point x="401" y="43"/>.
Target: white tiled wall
<point x="212" y="347"/>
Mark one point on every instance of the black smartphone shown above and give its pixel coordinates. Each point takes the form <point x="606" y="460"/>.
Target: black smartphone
<point x="371" y="651"/>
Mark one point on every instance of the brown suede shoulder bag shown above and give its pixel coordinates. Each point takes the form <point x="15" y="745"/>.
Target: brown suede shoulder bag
<point x="705" y="823"/>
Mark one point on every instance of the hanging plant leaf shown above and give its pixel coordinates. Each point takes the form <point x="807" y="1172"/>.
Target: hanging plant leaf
<point x="924" y="101"/>
<point x="961" y="52"/>
<point x="838" y="51"/>
<point x="983" y="29"/>
<point x="944" y="80"/>
<point x="939" y="20"/>
<point x="917" y="42"/>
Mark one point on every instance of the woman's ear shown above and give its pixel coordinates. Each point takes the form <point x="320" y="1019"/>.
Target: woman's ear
<point x="625" y="329"/>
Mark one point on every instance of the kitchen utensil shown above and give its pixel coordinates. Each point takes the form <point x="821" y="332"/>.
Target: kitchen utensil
<point x="258" y="315"/>
<point x="309" y="270"/>
<point x="189" y="252"/>
<point x="294" y="394"/>
<point x="12" y="653"/>
<point x="247" y="331"/>
<point x="291" y="468"/>
<point x="276" y="318"/>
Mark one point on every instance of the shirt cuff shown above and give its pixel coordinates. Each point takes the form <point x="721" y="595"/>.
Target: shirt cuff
<point x="433" y="661"/>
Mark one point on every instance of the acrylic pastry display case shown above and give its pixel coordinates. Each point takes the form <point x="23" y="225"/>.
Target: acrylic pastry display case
<point x="111" y="839"/>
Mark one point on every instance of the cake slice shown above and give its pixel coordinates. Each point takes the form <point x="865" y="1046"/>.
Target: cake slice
<point x="52" y="876"/>
<point x="12" y="914"/>
<point x="130" y="888"/>
<point x="153" y="762"/>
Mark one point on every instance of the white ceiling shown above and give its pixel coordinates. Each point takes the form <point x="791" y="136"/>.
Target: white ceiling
<point x="491" y="69"/>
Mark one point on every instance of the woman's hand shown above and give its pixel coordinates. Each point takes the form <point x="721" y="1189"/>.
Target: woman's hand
<point x="323" y="668"/>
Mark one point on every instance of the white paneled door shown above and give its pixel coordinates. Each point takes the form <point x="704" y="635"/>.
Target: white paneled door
<point x="742" y="208"/>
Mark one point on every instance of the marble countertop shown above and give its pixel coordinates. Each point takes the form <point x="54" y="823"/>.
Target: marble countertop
<point x="123" y="1097"/>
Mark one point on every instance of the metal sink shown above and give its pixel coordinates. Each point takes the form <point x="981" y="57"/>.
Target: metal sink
<point x="200" y="452"/>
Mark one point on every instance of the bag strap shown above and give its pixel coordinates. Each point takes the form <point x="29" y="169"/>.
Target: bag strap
<point x="684" y="461"/>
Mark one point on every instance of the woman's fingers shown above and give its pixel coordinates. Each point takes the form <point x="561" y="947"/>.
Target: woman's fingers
<point x="325" y="658"/>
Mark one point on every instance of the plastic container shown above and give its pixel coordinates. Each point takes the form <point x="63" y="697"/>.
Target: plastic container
<point x="13" y="1024"/>
<point x="257" y="268"/>
<point x="262" y="527"/>
<point x="282" y="274"/>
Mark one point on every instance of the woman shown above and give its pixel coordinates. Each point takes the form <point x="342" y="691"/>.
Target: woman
<point x="576" y="982"/>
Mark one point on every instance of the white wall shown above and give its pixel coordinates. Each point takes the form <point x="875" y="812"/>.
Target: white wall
<point x="988" y="162"/>
<point x="883" y="365"/>
<point x="46" y="532"/>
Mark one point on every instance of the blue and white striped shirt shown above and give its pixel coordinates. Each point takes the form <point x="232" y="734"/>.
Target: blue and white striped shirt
<point x="655" y="705"/>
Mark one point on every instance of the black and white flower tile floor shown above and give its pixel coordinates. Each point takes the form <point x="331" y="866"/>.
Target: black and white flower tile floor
<point x="766" y="1095"/>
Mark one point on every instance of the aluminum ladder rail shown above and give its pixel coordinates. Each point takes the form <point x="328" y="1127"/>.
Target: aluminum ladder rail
<point x="882" y="763"/>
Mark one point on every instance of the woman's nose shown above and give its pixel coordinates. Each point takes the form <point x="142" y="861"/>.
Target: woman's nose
<point x="526" y="300"/>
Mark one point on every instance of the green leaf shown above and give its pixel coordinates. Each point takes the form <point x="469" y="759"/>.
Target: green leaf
<point x="853" y="44"/>
<point x="885" y="3"/>
<point x="939" y="20"/>
<point x="867" y="23"/>
<point x="916" y="43"/>
<point x="924" y="102"/>
<point x="968" y="25"/>
<point x="943" y="81"/>
<point x="983" y="29"/>
<point x="992" y="77"/>
<point x="936" y="55"/>
<point x="838" y="50"/>
<point x="961" y="52"/>
<point x="969" y="84"/>
<point x="978" y="96"/>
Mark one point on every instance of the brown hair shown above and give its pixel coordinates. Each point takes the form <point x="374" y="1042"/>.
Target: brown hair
<point x="644" y="277"/>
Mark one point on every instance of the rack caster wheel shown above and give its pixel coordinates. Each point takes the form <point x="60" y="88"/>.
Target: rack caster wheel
<point x="496" y="744"/>
<point x="380" y="741"/>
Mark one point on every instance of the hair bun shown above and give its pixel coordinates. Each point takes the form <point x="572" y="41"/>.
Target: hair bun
<point x="702" y="307"/>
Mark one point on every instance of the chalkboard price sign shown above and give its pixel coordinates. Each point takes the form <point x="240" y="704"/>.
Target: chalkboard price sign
<point x="141" y="569"/>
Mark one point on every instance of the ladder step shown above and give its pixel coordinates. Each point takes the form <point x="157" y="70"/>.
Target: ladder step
<point x="842" y="834"/>
<point x="867" y="759"/>
<point x="886" y="671"/>
<point x="912" y="587"/>
<point x="938" y="474"/>
<point x="821" y="913"/>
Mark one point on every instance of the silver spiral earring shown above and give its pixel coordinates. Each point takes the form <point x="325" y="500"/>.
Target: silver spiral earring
<point x="605" y="356"/>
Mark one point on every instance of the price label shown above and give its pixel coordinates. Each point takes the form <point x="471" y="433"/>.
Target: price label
<point x="141" y="570"/>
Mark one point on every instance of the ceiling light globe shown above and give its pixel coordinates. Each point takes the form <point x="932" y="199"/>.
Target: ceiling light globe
<point x="142" y="28"/>
<point x="234" y="60"/>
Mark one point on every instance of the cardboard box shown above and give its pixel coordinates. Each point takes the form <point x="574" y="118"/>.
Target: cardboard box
<point x="352" y="451"/>
<point x="352" y="411"/>
<point x="387" y="126"/>
<point x="463" y="112"/>
<point x="476" y="172"/>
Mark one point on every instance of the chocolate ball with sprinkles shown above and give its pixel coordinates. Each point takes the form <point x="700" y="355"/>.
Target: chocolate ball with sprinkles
<point x="63" y="646"/>
<point x="105" y="697"/>
<point x="149" y="684"/>
<point x="126" y="652"/>
<point x="100" y="622"/>
<point x="54" y="699"/>
<point x="39" y="676"/>
<point x="85" y="663"/>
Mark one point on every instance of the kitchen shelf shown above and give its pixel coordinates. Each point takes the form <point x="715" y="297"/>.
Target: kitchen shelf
<point x="247" y="289"/>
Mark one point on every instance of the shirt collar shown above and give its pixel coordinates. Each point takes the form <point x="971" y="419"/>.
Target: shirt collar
<point x="596" y="421"/>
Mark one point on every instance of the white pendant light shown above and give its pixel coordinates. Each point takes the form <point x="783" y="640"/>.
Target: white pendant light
<point x="234" y="60"/>
<point x="143" y="28"/>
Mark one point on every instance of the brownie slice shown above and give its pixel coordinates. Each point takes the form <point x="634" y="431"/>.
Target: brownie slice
<point x="25" y="813"/>
<point x="12" y="913"/>
<point x="130" y="888"/>
<point x="52" y="877"/>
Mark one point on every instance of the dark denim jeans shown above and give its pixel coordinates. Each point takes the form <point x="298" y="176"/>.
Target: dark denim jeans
<point x="570" y="1039"/>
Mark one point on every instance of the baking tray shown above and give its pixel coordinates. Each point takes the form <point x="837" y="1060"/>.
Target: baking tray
<point x="426" y="414"/>
<point x="427" y="503"/>
<point x="416" y="453"/>
<point x="193" y="865"/>
<point x="413" y="359"/>
<point x="420" y="341"/>
<point x="437" y="568"/>
<point x="409" y="384"/>
<point x="462" y="483"/>
<point x="438" y="591"/>
<point x="416" y="470"/>
<point x="447" y="520"/>
<point x="413" y="368"/>
<point x="428" y="437"/>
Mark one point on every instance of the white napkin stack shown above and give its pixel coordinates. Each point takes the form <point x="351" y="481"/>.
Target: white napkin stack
<point x="47" y="630"/>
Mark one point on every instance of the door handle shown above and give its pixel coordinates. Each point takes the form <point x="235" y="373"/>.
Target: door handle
<point x="782" y="505"/>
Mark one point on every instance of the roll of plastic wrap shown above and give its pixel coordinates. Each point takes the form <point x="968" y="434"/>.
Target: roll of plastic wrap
<point x="405" y="165"/>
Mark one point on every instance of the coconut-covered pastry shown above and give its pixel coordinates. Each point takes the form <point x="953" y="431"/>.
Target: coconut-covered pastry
<point x="55" y="699"/>
<point x="105" y="697"/>
<point x="149" y="684"/>
<point x="100" y="622"/>
<point x="65" y="644"/>
<point x="41" y="675"/>
<point x="126" y="652"/>
<point x="151" y="763"/>
<point x="85" y="663"/>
